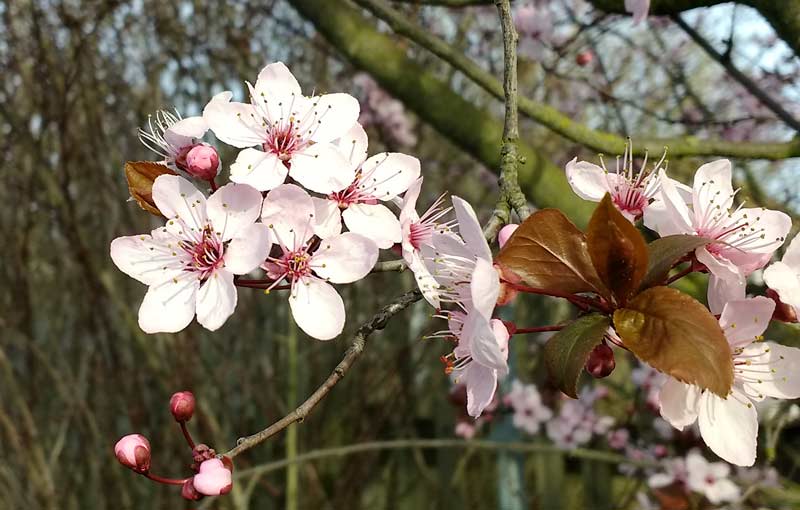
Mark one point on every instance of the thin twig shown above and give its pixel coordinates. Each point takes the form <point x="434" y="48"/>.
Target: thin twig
<point x="377" y="322"/>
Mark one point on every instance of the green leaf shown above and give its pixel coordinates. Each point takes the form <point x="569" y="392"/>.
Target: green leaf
<point x="617" y="249"/>
<point x="663" y="253"/>
<point x="677" y="335"/>
<point x="140" y="176"/>
<point x="547" y="251"/>
<point x="566" y="353"/>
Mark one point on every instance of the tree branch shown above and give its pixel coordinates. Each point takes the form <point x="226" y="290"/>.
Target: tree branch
<point x="377" y="322"/>
<point x="557" y="122"/>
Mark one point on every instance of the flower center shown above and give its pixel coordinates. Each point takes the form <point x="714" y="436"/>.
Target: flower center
<point x="283" y="141"/>
<point x="206" y="254"/>
<point x="353" y="194"/>
<point x="295" y="264"/>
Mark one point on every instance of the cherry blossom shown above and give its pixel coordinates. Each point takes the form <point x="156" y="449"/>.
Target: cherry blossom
<point x="418" y="232"/>
<point x="577" y="422"/>
<point x="311" y="264"/>
<point x="505" y="233"/>
<point x="729" y="426"/>
<point x="213" y="478"/>
<point x="784" y="276"/>
<point x="293" y="133"/>
<point x="632" y="191"/>
<point x="674" y="472"/>
<point x="133" y="452"/>
<point x="173" y="137"/>
<point x="380" y="178"/>
<point x="189" y="264"/>
<point x="746" y="237"/>
<point x="529" y="410"/>
<point x="638" y="8"/>
<point x="710" y="479"/>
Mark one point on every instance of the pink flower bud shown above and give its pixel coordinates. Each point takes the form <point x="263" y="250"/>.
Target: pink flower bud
<point x="584" y="58"/>
<point x="601" y="361"/>
<point x="133" y="452"/>
<point x="189" y="492"/>
<point x="202" y="162"/>
<point x="214" y="478"/>
<point x="505" y="233"/>
<point x="181" y="405"/>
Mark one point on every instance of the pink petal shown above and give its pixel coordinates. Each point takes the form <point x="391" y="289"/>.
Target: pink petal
<point x="328" y="218"/>
<point x="169" y="307"/>
<point x="353" y="145"/>
<point x="322" y="168"/>
<point x="233" y="208"/>
<point x="289" y="213"/>
<point x="374" y="221"/>
<point x="743" y="321"/>
<point x="344" y="258"/>
<point x="712" y="192"/>
<point x="276" y="79"/>
<point x="177" y="198"/>
<point x="389" y="174"/>
<point x="233" y="123"/>
<point x="678" y="403"/>
<point x="213" y="479"/>
<point x="588" y="181"/>
<point x="469" y="228"/>
<point x="248" y="249"/>
<point x="261" y="170"/>
<point x="216" y="300"/>
<point x="336" y="113"/>
<point x="729" y="426"/>
<point x="481" y="383"/>
<point x="317" y="308"/>
<point x="505" y="233"/>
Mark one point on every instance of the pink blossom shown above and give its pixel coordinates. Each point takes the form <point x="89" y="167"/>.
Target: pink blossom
<point x="181" y="405"/>
<point x="710" y="479"/>
<point x="133" y="452"/>
<point x="213" y="479"/>
<point x="172" y="137"/>
<point x="529" y="410"/>
<point x="505" y="233"/>
<point x="784" y="276"/>
<point x="202" y="162"/>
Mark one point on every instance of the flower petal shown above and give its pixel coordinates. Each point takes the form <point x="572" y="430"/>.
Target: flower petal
<point x="484" y="345"/>
<point x="335" y="114"/>
<point x="743" y="321"/>
<point x="669" y="214"/>
<point x="729" y="426"/>
<point x="374" y="221"/>
<point x="344" y="258"/>
<point x="232" y="208"/>
<point x="289" y="212"/>
<point x="328" y="218"/>
<point x="481" y="383"/>
<point x="317" y="308"/>
<point x="186" y="131"/>
<point x="234" y="123"/>
<point x="484" y="287"/>
<point x="784" y="280"/>
<point x="322" y="168"/>
<point x="408" y="212"/>
<point x="277" y="80"/>
<point x="177" y="198"/>
<point x="248" y="249"/>
<point x="353" y="145"/>
<point x="216" y="300"/>
<point x="588" y="181"/>
<point x="765" y="231"/>
<point x="261" y="170"/>
<point x="770" y="369"/>
<point x="712" y="192"/>
<point x="726" y="283"/>
<point x="678" y="403"/>
<point x="169" y="307"/>
<point x="386" y="175"/>
<point x="425" y="281"/>
<point x="146" y="259"/>
<point x="470" y="229"/>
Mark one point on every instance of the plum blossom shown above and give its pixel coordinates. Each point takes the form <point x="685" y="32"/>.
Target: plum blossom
<point x="189" y="264"/>
<point x="710" y="479"/>
<point x="729" y="426"/>
<point x="577" y="422"/>
<point x="784" y="276"/>
<point x="380" y="178"/>
<point x="133" y="452"/>
<point x="293" y="133"/>
<point x="173" y="137"/>
<point x="638" y="8"/>
<point x="309" y="264"/>
<point x="632" y="191"/>
<point x="418" y="232"/>
<point x="529" y="410"/>
<point x="505" y="233"/>
<point x="213" y="478"/>
<point x="746" y="237"/>
<point x="674" y="472"/>
<point x="385" y="112"/>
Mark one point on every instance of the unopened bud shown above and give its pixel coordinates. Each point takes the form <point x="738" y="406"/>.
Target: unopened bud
<point x="783" y="312"/>
<point x="213" y="478"/>
<point x="133" y="452"/>
<point x="201" y="453"/>
<point x="202" y="162"/>
<point x="505" y="233"/>
<point x="189" y="492"/>
<point x="181" y="405"/>
<point x="601" y="361"/>
<point x="584" y="58"/>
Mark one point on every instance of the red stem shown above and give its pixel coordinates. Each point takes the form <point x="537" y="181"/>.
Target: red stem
<point x="166" y="481"/>
<point x="213" y="183"/>
<point x="579" y="301"/>
<point x="679" y="275"/>
<point x="187" y="435"/>
<point x="539" y="329"/>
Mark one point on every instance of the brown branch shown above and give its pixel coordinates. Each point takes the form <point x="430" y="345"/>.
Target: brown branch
<point x="377" y="322"/>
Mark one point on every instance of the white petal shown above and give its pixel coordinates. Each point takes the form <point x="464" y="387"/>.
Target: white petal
<point x="232" y="208"/>
<point x="712" y="192"/>
<point x="785" y="281"/>
<point x="746" y="319"/>
<point x="248" y="249"/>
<point x="723" y="491"/>
<point x="671" y="216"/>
<point x="322" y="168"/>
<point x="726" y="283"/>
<point x="408" y="211"/>
<point x="146" y="259"/>
<point x="729" y="426"/>
<point x="769" y="369"/>
<point x="177" y="198"/>
<point x="588" y="181"/>
<point x="792" y="255"/>
<point x="169" y="307"/>
<point x="216" y="300"/>
<point x="276" y="79"/>
<point x="353" y="145"/>
<point x="386" y="175"/>
<point x="335" y="115"/>
<point x="766" y="230"/>
<point x="470" y="229"/>
<point x="317" y="308"/>
<point x="261" y="170"/>
<point x="234" y="123"/>
<point x="481" y="383"/>
<point x="483" y="343"/>
<point x="678" y="403"/>
<point x="328" y="218"/>
<point x="344" y="258"/>
<point x="186" y="131"/>
<point x="484" y="287"/>
<point x="289" y="212"/>
<point x="374" y="221"/>
<point x="425" y="281"/>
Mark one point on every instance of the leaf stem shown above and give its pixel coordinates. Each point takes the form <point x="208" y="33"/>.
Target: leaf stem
<point x="538" y="329"/>
<point x="581" y="302"/>
<point x="677" y="276"/>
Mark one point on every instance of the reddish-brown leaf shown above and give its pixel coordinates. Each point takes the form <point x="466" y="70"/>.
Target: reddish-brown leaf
<point x="547" y="251"/>
<point x="140" y="176"/>
<point x="677" y="335"/>
<point x="617" y="249"/>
